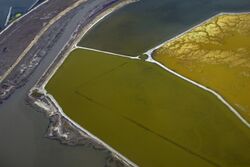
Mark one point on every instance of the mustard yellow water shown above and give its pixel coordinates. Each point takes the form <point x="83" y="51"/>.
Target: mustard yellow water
<point x="150" y="116"/>
<point x="215" y="54"/>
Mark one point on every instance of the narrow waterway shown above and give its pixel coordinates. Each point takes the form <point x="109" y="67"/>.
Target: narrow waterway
<point x="22" y="129"/>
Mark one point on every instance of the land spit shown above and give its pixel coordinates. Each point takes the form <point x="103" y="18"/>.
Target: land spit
<point x="26" y="30"/>
<point x="20" y="59"/>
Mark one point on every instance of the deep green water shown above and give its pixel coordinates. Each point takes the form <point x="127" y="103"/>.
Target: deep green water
<point x="143" y="25"/>
<point x="147" y="114"/>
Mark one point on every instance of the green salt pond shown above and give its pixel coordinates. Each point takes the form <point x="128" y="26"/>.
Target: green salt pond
<point x="147" y="114"/>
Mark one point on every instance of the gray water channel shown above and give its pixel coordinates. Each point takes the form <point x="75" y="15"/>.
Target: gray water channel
<point x="22" y="129"/>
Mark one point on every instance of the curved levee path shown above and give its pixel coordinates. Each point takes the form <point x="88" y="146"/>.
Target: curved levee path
<point x="54" y="108"/>
<point x="31" y="126"/>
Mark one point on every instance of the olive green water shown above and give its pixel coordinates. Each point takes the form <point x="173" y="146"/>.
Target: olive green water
<point x="147" y="114"/>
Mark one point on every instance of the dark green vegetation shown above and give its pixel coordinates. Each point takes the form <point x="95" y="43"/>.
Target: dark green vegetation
<point x="148" y="115"/>
<point x="15" y="16"/>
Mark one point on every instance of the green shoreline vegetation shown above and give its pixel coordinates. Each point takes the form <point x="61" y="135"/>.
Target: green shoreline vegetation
<point x="15" y="17"/>
<point x="147" y="114"/>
